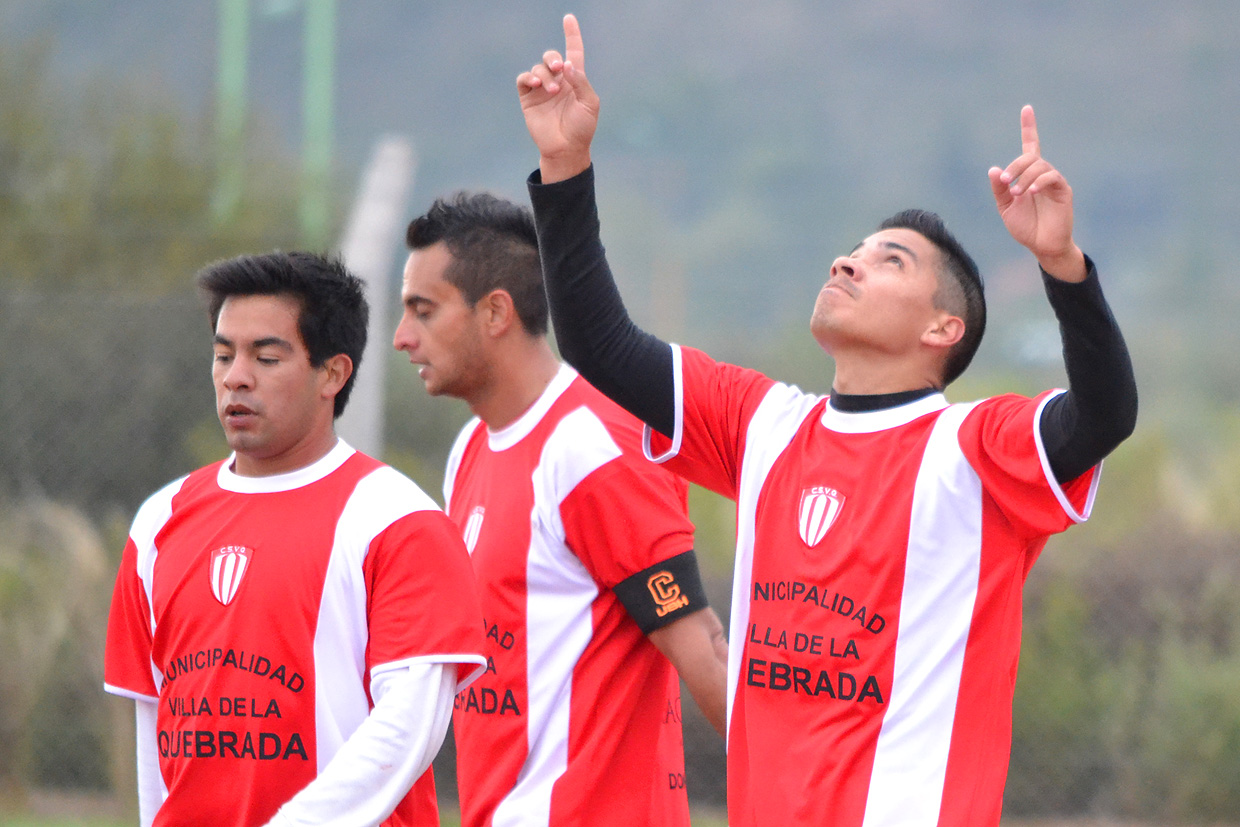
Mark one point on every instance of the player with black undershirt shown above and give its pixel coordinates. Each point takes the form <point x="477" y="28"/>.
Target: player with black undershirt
<point x="884" y="535"/>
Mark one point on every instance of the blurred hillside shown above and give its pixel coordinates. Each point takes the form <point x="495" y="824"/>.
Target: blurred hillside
<point x="744" y="146"/>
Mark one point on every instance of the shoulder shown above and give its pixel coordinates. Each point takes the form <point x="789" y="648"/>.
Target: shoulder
<point x="463" y="437"/>
<point x="1003" y="412"/>
<point x="158" y="507"/>
<point x="385" y="491"/>
<point x="456" y="455"/>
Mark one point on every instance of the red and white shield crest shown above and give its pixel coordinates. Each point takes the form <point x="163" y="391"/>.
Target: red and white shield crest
<point x="228" y="566"/>
<point x="473" y="527"/>
<point x="819" y="508"/>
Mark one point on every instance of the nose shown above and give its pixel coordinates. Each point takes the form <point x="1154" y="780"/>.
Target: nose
<point x="404" y="338"/>
<point x="238" y="374"/>
<point x="845" y="266"/>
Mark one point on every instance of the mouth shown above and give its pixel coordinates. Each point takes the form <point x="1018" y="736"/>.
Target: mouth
<point x="237" y="415"/>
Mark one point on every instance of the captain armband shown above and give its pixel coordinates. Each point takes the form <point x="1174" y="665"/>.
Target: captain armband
<point x="663" y="593"/>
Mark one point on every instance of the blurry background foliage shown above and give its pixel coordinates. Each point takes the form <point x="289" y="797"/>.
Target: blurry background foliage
<point x="742" y="146"/>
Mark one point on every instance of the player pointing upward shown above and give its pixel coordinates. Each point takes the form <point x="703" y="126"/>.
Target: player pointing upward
<point x="884" y="535"/>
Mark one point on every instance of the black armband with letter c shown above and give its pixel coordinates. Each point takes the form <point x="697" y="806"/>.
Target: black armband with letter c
<point x="663" y="593"/>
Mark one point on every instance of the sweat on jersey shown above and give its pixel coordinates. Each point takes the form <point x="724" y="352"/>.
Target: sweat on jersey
<point x="876" y="607"/>
<point x="255" y="610"/>
<point x="577" y="719"/>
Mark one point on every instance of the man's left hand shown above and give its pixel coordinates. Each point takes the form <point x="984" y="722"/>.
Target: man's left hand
<point x="1035" y="202"/>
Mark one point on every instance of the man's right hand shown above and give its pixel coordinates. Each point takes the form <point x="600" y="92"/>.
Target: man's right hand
<point x="560" y="108"/>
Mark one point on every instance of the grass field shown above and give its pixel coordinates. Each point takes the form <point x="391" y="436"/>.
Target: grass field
<point x="71" y="810"/>
<point x="447" y="820"/>
<point x="49" y="809"/>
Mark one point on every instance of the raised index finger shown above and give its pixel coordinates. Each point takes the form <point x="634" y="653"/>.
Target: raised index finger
<point x="1029" y="144"/>
<point x="574" y="49"/>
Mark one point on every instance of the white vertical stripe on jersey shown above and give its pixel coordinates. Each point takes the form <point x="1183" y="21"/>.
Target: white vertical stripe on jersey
<point x="936" y="611"/>
<point x="454" y="459"/>
<point x="380" y="499"/>
<point x="559" y="625"/>
<point x="147" y="523"/>
<point x="772" y="427"/>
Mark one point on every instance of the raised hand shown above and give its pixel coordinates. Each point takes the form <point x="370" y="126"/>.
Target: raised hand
<point x="1035" y="203"/>
<point x="560" y="107"/>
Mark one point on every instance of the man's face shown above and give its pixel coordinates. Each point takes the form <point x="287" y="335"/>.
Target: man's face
<point x="441" y="333"/>
<point x="275" y="407"/>
<point x="880" y="296"/>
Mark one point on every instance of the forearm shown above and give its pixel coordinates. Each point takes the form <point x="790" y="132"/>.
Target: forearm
<point x="377" y="765"/>
<point x="698" y="649"/>
<point x="1079" y="428"/>
<point x="592" y="327"/>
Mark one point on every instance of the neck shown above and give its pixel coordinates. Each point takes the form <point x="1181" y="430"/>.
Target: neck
<point x="862" y="403"/>
<point x="875" y="375"/>
<point x="302" y="455"/>
<point x="518" y="377"/>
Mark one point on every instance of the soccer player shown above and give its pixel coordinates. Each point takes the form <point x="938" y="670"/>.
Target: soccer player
<point x="582" y="549"/>
<point x="884" y="535"/>
<point x="294" y="621"/>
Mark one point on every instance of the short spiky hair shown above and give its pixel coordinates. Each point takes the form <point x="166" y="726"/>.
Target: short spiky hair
<point x="493" y="246"/>
<point x="960" y="285"/>
<point x="334" y="312"/>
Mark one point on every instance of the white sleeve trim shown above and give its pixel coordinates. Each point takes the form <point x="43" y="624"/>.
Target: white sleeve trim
<point x="464" y="679"/>
<point x="678" y="391"/>
<point x="380" y="761"/>
<point x="151" y="789"/>
<point x="130" y="694"/>
<point x="1066" y="504"/>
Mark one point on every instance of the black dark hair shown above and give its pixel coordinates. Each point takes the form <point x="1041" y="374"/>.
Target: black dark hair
<point x="960" y="289"/>
<point x="493" y="246"/>
<point x="334" y="312"/>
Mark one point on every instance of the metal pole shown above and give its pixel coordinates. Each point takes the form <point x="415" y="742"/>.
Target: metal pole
<point x="370" y="242"/>
<point x="319" y="64"/>
<point x="230" y="115"/>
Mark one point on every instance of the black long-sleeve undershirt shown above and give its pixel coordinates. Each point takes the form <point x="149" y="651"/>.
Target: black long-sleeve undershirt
<point x="595" y="335"/>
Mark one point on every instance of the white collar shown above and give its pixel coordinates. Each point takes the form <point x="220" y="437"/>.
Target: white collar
<point x="230" y="480"/>
<point x="868" y="422"/>
<point x="519" y="429"/>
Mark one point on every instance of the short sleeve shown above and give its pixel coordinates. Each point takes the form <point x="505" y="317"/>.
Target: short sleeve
<point x="714" y="403"/>
<point x="127" y="654"/>
<point x="422" y="599"/>
<point x="1001" y="439"/>
<point x="625" y="516"/>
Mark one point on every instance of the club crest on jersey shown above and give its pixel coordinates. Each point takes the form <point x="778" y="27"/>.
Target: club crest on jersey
<point x="820" y="506"/>
<point x="228" y="566"/>
<point x="473" y="527"/>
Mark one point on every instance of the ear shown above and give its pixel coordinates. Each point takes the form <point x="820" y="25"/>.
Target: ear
<point x="336" y="371"/>
<point x="946" y="331"/>
<point x="497" y="313"/>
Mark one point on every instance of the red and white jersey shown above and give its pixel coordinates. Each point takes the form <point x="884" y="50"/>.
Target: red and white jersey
<point x="876" y="609"/>
<point x="577" y="719"/>
<point x="255" y="610"/>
